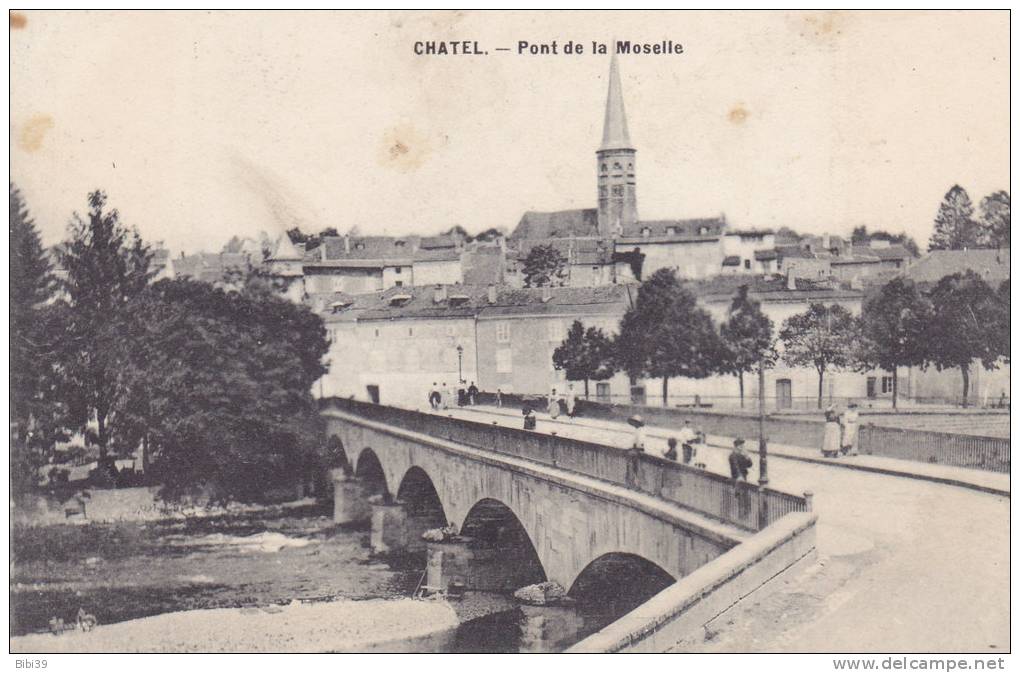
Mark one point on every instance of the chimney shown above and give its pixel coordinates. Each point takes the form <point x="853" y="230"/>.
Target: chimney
<point x="440" y="295"/>
<point x="791" y="278"/>
<point x="492" y="294"/>
<point x="347" y="243"/>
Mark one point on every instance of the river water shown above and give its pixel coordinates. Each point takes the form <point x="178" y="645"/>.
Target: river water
<point x="132" y="570"/>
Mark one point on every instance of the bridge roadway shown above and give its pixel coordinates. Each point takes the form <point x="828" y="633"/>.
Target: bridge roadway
<point x="904" y="565"/>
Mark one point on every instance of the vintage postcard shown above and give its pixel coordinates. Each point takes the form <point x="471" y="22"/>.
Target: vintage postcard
<point x="488" y="331"/>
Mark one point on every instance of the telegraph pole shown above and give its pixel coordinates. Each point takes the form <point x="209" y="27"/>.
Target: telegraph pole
<point x="763" y="465"/>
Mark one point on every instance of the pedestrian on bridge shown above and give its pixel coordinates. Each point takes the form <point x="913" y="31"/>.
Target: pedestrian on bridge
<point x="444" y="396"/>
<point x="472" y="394"/>
<point x="687" y="436"/>
<point x="638" y="442"/>
<point x="571" y="400"/>
<point x="554" y="404"/>
<point x="848" y="423"/>
<point x="830" y="438"/>
<point x="434" y="397"/>
<point x="740" y="462"/>
<point x="670" y="452"/>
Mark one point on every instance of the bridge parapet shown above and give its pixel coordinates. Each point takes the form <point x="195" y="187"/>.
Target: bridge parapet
<point x="742" y="504"/>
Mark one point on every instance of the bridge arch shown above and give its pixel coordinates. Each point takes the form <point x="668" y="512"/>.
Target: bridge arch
<point x="369" y="470"/>
<point x="619" y="581"/>
<point x="336" y="455"/>
<point x="420" y="498"/>
<point x="496" y="530"/>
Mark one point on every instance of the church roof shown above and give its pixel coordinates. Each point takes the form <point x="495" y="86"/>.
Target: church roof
<point x="614" y="129"/>
<point x="557" y="224"/>
<point x="696" y="228"/>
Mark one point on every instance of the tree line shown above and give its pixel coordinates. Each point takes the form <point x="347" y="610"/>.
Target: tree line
<point x="665" y="334"/>
<point x="214" y="385"/>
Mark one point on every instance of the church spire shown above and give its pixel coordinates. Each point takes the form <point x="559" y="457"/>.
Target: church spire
<point x="614" y="130"/>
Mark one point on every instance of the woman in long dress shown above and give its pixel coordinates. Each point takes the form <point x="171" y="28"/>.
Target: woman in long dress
<point x="849" y="422"/>
<point x="554" y="404"/>
<point x="831" y="438"/>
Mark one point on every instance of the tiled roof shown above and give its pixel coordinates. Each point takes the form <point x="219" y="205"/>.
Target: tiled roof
<point x="465" y="301"/>
<point x="765" y="255"/>
<point x="436" y="242"/>
<point x="771" y="289"/>
<point x="437" y="255"/>
<point x="366" y="248"/>
<point x="482" y="265"/>
<point x="991" y="264"/>
<point x="890" y="252"/>
<point x="583" y="251"/>
<point x="210" y="267"/>
<point x="557" y="224"/>
<point x="705" y="227"/>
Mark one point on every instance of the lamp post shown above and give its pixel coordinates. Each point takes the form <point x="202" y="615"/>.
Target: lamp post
<point x="460" y="360"/>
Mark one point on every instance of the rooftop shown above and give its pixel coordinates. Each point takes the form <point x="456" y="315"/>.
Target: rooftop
<point x="992" y="264"/>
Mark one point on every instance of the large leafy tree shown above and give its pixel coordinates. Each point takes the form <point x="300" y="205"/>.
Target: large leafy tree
<point x="955" y="226"/>
<point x="995" y="219"/>
<point x="219" y="386"/>
<point x="585" y="355"/>
<point x="665" y="334"/>
<point x="893" y="325"/>
<point x="747" y="337"/>
<point x="822" y="337"/>
<point x="36" y="416"/>
<point x="107" y="265"/>
<point x="962" y="326"/>
<point x="544" y="266"/>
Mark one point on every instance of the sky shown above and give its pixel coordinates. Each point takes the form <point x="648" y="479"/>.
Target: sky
<point x="205" y="125"/>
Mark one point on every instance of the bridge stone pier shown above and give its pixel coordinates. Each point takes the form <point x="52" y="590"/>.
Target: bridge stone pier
<point x="530" y="507"/>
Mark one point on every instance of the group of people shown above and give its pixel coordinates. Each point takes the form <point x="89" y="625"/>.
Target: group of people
<point x="688" y="438"/>
<point x="840" y="437"/>
<point x="559" y="402"/>
<point x="441" y="397"/>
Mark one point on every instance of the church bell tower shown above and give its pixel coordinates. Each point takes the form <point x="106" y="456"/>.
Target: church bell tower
<point x="615" y="160"/>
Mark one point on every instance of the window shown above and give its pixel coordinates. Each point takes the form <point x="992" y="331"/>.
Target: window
<point x="398" y="283"/>
<point x="376" y="333"/>
<point x="398" y="269"/>
<point x="604" y="168"/>
<point x="504" y="361"/>
<point x="617" y="166"/>
<point x="646" y="232"/>
<point x="338" y="284"/>
<point x="670" y="231"/>
<point x="617" y="190"/>
<point x="603" y="191"/>
<point x="747" y="264"/>
<point x="503" y="333"/>
<point x="410" y="331"/>
<point x="359" y="246"/>
<point x="886" y="385"/>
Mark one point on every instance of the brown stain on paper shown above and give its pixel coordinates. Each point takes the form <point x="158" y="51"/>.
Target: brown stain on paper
<point x="34" y="131"/>
<point x="18" y="20"/>
<point x="403" y="148"/>
<point x="738" y="114"/>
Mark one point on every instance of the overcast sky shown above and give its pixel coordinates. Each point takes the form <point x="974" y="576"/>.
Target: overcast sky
<point x="205" y="125"/>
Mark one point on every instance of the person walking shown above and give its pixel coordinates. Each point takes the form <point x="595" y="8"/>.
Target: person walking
<point x="699" y="441"/>
<point x="444" y="396"/>
<point x="686" y="437"/>
<point x="529" y="417"/>
<point x="638" y="440"/>
<point x="499" y="398"/>
<point x="830" y="438"/>
<point x="849" y="423"/>
<point x="571" y="400"/>
<point x="670" y="452"/>
<point x="554" y="404"/>
<point x="434" y="397"/>
<point x="740" y="463"/>
<point x="472" y="394"/>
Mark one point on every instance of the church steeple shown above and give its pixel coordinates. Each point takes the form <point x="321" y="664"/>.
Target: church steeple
<point x="615" y="160"/>
<point x="614" y="129"/>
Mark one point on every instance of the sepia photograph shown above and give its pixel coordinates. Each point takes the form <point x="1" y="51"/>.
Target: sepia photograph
<point x="437" y="332"/>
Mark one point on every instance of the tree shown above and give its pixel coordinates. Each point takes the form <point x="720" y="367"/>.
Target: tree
<point x="823" y="337"/>
<point x="107" y="265"/>
<point x="955" y="227"/>
<point x="995" y="219"/>
<point x="218" y="387"/>
<point x="585" y="355"/>
<point x="666" y="334"/>
<point x="36" y="416"/>
<point x="893" y="327"/>
<point x="747" y="337"/>
<point x="961" y="327"/>
<point x="861" y="236"/>
<point x="544" y="266"/>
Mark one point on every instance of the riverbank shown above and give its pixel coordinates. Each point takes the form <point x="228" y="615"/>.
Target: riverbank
<point x="298" y="627"/>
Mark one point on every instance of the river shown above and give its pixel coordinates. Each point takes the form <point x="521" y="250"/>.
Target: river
<point x="127" y="571"/>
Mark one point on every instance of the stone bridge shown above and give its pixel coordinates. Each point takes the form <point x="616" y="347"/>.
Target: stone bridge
<point x="533" y="507"/>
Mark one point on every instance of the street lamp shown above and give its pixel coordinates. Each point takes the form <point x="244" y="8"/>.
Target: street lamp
<point x="460" y="360"/>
